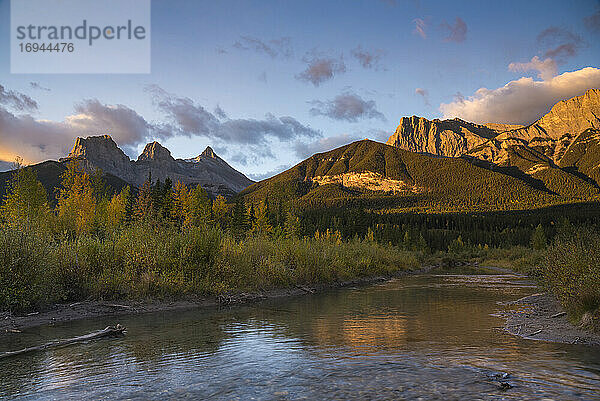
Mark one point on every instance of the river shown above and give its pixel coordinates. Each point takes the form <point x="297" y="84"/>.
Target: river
<point x="422" y="336"/>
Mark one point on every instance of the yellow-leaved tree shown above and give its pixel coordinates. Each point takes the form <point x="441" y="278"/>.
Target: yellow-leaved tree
<point x="26" y="203"/>
<point x="116" y="209"/>
<point x="76" y="208"/>
<point x="219" y="210"/>
<point x="261" y="225"/>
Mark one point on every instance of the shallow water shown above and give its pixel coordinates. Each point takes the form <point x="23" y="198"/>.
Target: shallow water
<point x="434" y="337"/>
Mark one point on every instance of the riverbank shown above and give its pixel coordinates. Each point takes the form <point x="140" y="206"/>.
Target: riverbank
<point x="541" y="317"/>
<point x="535" y="317"/>
<point x="60" y="313"/>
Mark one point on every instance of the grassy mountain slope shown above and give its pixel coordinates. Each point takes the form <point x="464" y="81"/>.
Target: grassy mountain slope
<point x="433" y="183"/>
<point x="583" y="155"/>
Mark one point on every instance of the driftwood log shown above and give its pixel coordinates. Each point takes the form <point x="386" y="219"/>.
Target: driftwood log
<point x="109" y="331"/>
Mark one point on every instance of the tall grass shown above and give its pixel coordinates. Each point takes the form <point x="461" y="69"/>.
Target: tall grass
<point x="151" y="259"/>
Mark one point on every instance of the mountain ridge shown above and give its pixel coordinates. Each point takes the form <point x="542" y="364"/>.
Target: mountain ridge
<point x="208" y="170"/>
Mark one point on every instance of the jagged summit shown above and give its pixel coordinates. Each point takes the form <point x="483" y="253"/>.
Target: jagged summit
<point x="95" y="144"/>
<point x="551" y="135"/>
<point x="208" y="152"/>
<point x="208" y="170"/>
<point x="155" y="151"/>
<point x="439" y="137"/>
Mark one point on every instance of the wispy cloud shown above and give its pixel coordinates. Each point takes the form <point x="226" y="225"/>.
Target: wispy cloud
<point x="321" y="68"/>
<point x="36" y="85"/>
<point x="420" y="27"/>
<point x="424" y="93"/>
<point x="268" y="174"/>
<point x="559" y="43"/>
<point x="456" y="32"/>
<point x="190" y="119"/>
<point x="347" y="106"/>
<point x="368" y="58"/>
<point x="17" y="100"/>
<point x="592" y="22"/>
<point x="304" y="150"/>
<point x="281" y="47"/>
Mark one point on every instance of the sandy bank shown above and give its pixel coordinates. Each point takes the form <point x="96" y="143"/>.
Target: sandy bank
<point x="541" y="317"/>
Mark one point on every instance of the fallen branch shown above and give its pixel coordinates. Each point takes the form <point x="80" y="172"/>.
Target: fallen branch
<point x="305" y="289"/>
<point x="559" y="314"/>
<point x="119" y="306"/>
<point x="107" y="332"/>
<point x="537" y="332"/>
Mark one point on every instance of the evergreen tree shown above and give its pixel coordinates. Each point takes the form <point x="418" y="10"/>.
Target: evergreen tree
<point x="538" y="238"/>
<point x="239" y="221"/>
<point x="292" y="225"/>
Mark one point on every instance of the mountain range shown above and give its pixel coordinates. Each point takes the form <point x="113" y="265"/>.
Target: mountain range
<point x="454" y="165"/>
<point x="207" y="169"/>
<point x="155" y="162"/>
<point x="426" y="165"/>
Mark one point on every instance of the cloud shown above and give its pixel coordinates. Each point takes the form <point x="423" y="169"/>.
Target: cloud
<point x="321" y="68"/>
<point x="122" y="123"/>
<point x="546" y="69"/>
<point x="220" y="113"/>
<point x="36" y="85"/>
<point x="268" y="174"/>
<point x="559" y="43"/>
<point x="420" y="27"/>
<point x="368" y="58"/>
<point x="33" y="140"/>
<point x="304" y="150"/>
<point x="274" y="48"/>
<point x="592" y="22"/>
<point x="424" y="93"/>
<point x="190" y="119"/>
<point x="522" y="101"/>
<point x="16" y="100"/>
<point x="37" y="140"/>
<point x="457" y="32"/>
<point x="346" y="106"/>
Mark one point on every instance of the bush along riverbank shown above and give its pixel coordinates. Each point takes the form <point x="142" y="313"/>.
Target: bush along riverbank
<point x="570" y="270"/>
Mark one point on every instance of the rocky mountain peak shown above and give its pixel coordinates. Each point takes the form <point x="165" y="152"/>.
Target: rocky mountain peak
<point x="208" y="152"/>
<point x="440" y="137"/>
<point x="96" y="145"/>
<point x="156" y="152"/>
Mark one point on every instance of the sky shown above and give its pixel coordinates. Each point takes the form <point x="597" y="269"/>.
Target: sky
<point x="269" y="83"/>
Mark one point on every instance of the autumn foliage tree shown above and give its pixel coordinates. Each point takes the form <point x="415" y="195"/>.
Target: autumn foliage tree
<point x="76" y="204"/>
<point x="26" y="202"/>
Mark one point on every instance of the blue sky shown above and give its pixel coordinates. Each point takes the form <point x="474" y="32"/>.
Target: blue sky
<point x="252" y="59"/>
